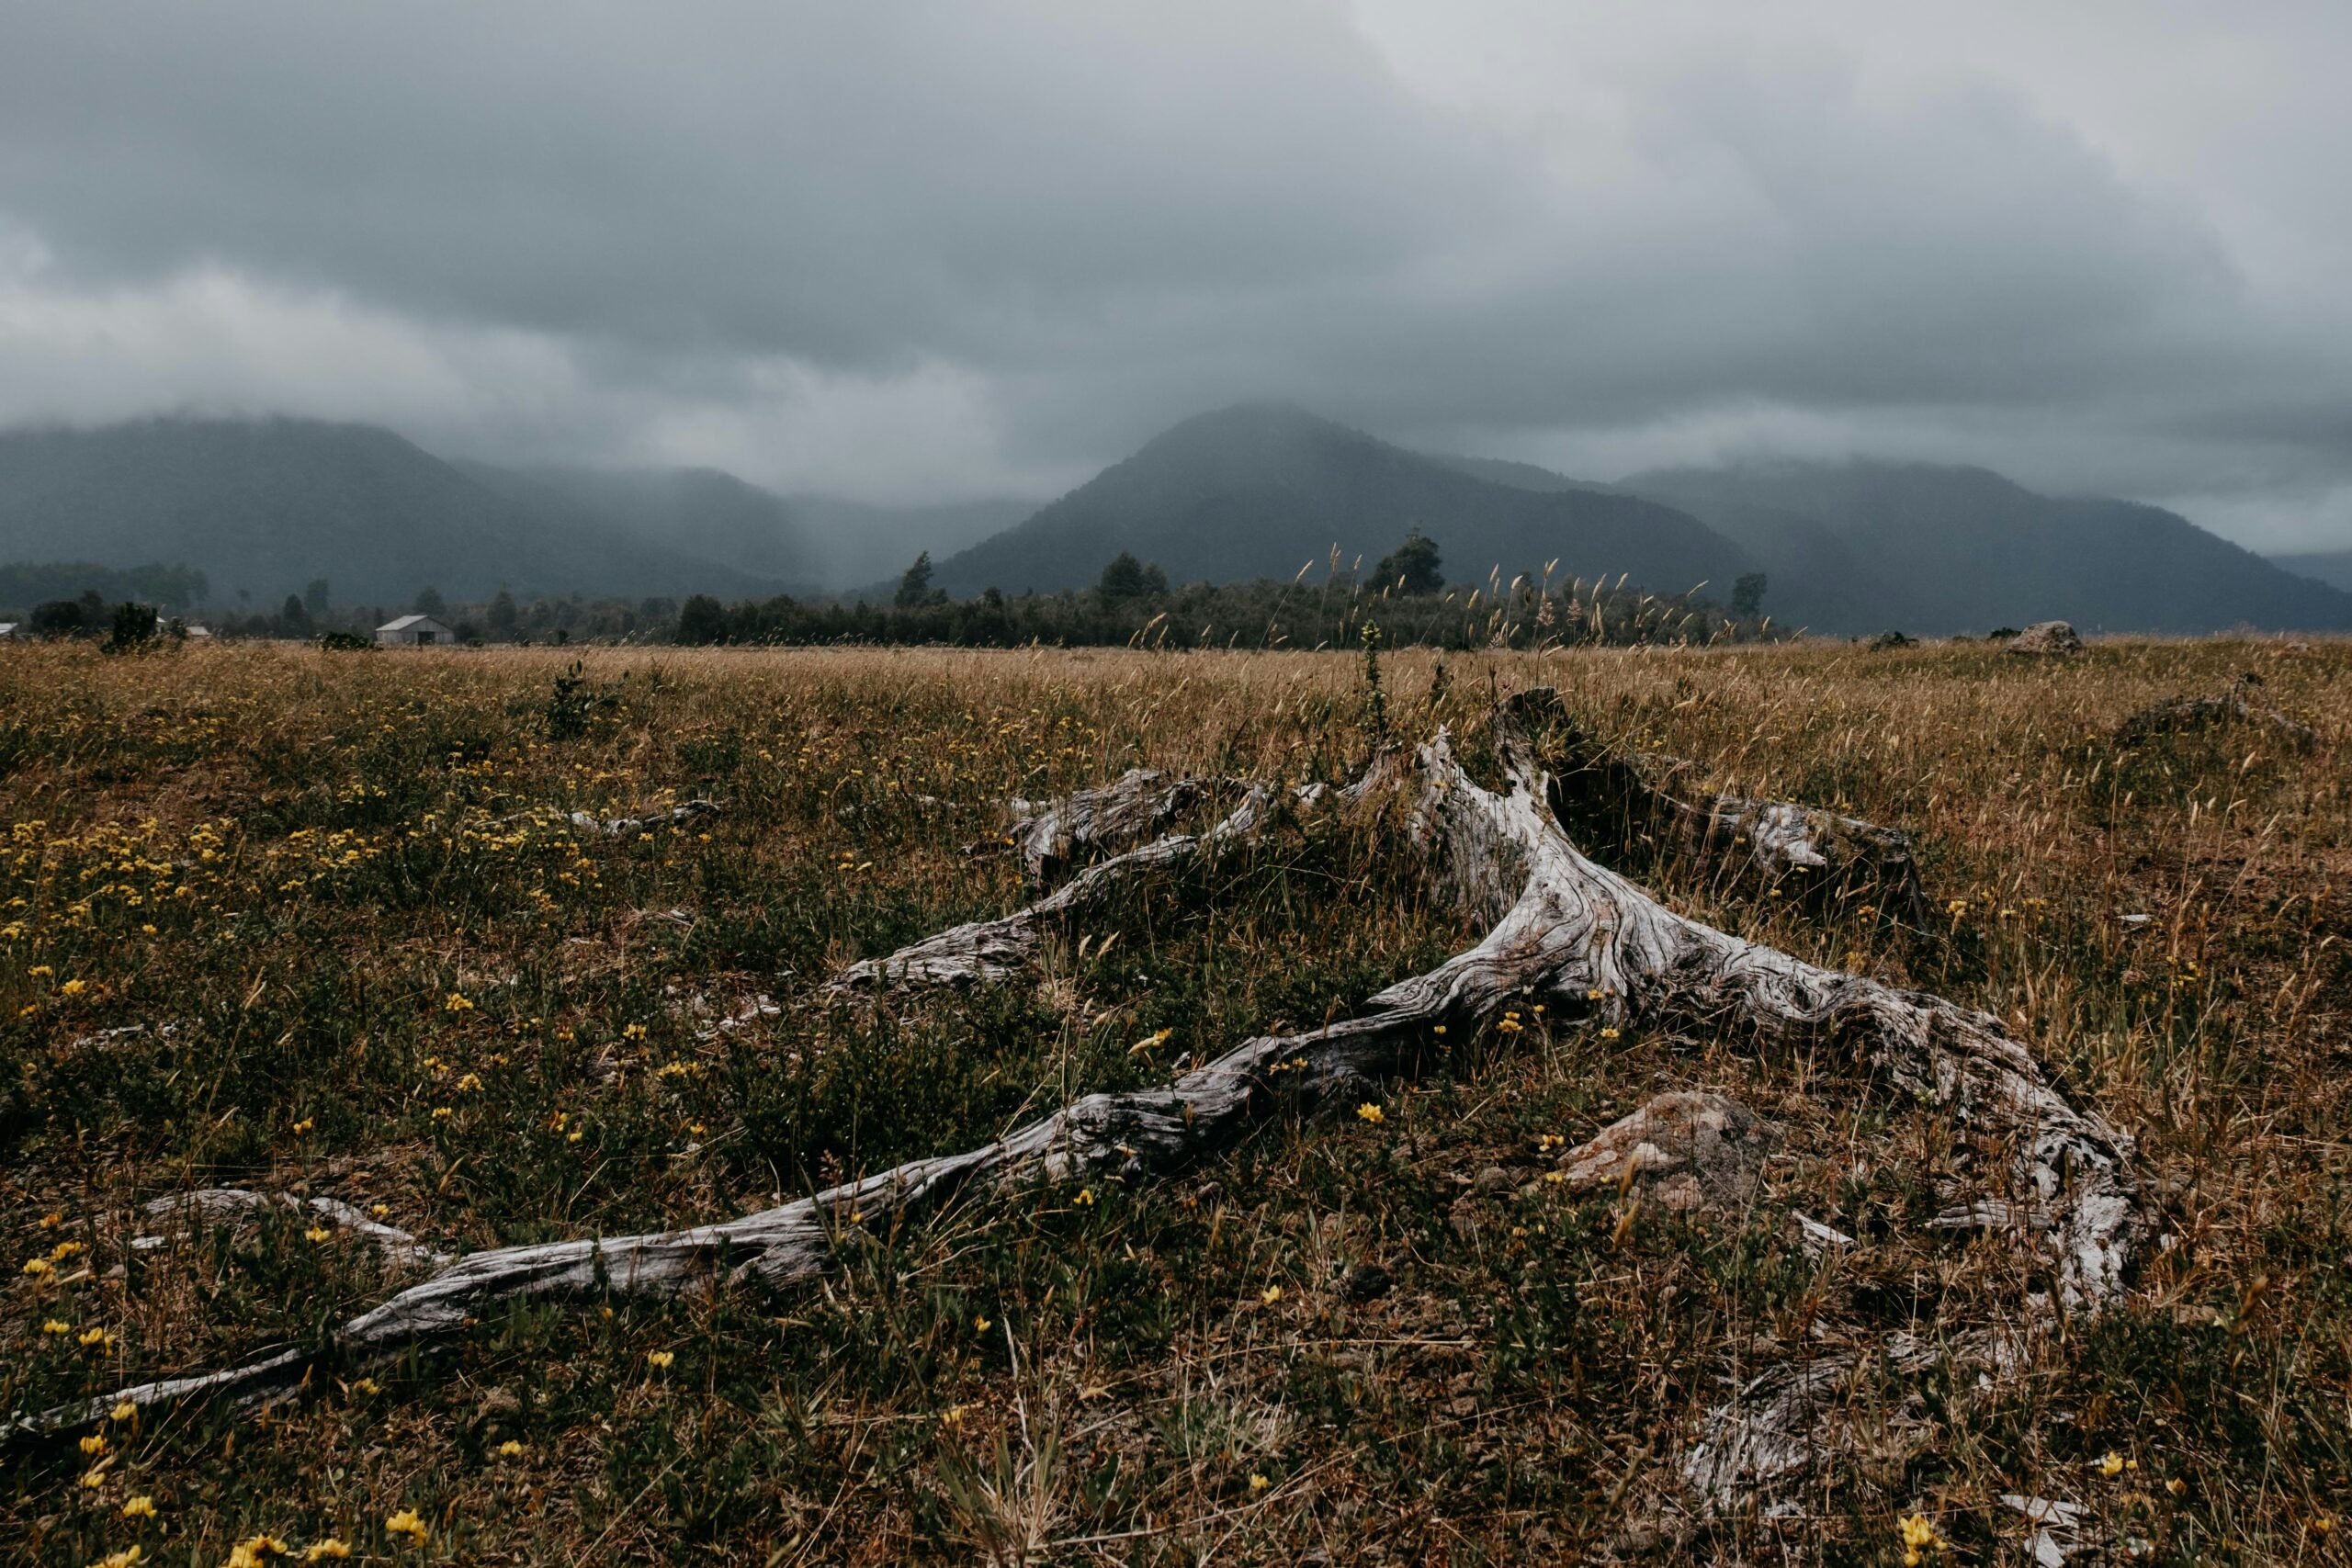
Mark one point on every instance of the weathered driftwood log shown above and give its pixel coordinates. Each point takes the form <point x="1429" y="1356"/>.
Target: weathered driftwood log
<point x="1601" y="792"/>
<point x="2177" y="715"/>
<point x="1562" y="927"/>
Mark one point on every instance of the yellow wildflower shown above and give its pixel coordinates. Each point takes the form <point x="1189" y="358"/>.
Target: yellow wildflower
<point x="317" y="1233"/>
<point x="1085" y="1198"/>
<point x="95" y="1443"/>
<point x="1918" y="1536"/>
<point x="74" y="988"/>
<point x="139" y="1507"/>
<point x="329" y="1547"/>
<point x="40" y="1266"/>
<point x="2110" y="1465"/>
<point x="458" y="1004"/>
<point x="1257" y="1483"/>
<point x="57" y="1326"/>
<point x="510" y="1448"/>
<point x="1272" y="1294"/>
<point x="304" y="1125"/>
<point x="981" y="1325"/>
<point x="406" y="1523"/>
<point x="124" y="1559"/>
<point x="659" y="1357"/>
<point x="124" y="1410"/>
<point x="1370" y="1112"/>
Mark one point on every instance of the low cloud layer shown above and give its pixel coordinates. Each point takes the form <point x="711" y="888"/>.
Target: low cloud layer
<point x="928" y="251"/>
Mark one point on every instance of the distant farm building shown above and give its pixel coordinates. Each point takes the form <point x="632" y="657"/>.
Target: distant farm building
<point x="415" y="629"/>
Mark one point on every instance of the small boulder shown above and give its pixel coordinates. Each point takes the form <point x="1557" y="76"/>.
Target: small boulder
<point x="1687" y="1152"/>
<point x="2046" y="636"/>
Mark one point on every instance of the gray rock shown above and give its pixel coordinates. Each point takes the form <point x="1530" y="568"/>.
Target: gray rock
<point x="2046" y="636"/>
<point x="1686" y="1152"/>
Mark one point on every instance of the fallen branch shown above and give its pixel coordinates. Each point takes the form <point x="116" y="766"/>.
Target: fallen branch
<point x="986" y="951"/>
<point x="636" y="826"/>
<point x="1051" y="835"/>
<point x="221" y="1205"/>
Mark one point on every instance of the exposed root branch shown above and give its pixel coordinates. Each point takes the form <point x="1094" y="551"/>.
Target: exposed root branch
<point x="1654" y="799"/>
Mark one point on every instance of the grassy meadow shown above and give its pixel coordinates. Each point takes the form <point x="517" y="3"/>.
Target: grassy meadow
<point x="320" y="923"/>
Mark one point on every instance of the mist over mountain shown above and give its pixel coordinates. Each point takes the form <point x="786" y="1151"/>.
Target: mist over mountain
<point x="1934" y="550"/>
<point x="706" y="514"/>
<point x="264" y="506"/>
<point x="2331" y="567"/>
<point x="1262" y="491"/>
<point x="861" y="543"/>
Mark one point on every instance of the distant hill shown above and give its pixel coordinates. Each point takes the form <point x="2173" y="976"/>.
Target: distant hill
<point x="1261" y="490"/>
<point x="267" y="505"/>
<point x="2331" y="567"/>
<point x="1938" y="549"/>
<point x="704" y="512"/>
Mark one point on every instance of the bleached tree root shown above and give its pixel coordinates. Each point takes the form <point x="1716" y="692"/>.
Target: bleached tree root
<point x="187" y="1212"/>
<point x="1564" y="929"/>
<point x="1655" y="799"/>
<point x="2177" y="715"/>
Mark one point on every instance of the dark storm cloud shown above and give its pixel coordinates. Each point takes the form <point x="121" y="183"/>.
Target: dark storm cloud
<point x="939" y="247"/>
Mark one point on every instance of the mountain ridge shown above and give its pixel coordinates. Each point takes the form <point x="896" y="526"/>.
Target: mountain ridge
<point x="267" y="505"/>
<point x="1265" y="490"/>
<point x="1962" y="548"/>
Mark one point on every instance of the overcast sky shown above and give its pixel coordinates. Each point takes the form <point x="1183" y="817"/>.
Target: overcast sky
<point x="907" y="251"/>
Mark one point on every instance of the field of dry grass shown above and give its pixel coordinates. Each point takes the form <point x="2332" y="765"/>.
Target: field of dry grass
<point x="319" y="924"/>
